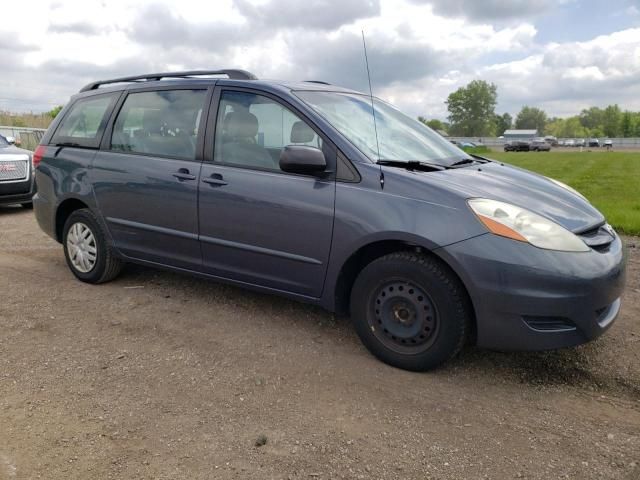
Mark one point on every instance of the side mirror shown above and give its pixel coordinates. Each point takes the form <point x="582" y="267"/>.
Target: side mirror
<point x="11" y="140"/>
<point x="302" y="159"/>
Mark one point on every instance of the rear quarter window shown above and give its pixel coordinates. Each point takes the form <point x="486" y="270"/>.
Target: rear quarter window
<point x="85" y="121"/>
<point x="161" y="123"/>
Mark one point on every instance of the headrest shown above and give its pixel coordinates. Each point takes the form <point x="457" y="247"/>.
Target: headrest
<point x="152" y="121"/>
<point x="241" y="124"/>
<point x="301" y="133"/>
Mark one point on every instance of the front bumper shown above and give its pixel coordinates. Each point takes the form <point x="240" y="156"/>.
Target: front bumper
<point x="527" y="298"/>
<point x="17" y="192"/>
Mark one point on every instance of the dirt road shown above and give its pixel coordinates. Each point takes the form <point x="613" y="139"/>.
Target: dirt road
<point x="162" y="376"/>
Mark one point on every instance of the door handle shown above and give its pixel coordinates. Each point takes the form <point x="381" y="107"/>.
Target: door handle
<point x="215" y="180"/>
<point x="183" y="174"/>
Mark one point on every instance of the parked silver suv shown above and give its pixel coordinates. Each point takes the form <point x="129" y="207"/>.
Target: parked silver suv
<point x="17" y="184"/>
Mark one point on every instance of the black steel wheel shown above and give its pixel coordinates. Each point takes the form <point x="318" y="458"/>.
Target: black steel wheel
<point x="404" y="317"/>
<point x="410" y="310"/>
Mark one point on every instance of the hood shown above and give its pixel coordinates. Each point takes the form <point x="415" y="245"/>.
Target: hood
<point x="12" y="150"/>
<point x="522" y="188"/>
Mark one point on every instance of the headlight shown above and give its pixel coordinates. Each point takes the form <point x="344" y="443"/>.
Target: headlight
<point x="567" y="187"/>
<point x="522" y="225"/>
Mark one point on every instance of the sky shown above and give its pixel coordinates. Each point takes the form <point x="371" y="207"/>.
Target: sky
<point x="559" y="55"/>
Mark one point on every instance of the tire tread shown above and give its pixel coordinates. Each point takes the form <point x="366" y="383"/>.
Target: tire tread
<point x="459" y="300"/>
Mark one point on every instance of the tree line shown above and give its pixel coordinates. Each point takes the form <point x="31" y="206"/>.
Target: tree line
<point x="472" y="114"/>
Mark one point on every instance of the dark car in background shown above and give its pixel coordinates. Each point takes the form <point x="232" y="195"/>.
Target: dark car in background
<point x="539" y="145"/>
<point x="285" y="188"/>
<point x="517" y="146"/>
<point x="594" y="143"/>
<point x="17" y="184"/>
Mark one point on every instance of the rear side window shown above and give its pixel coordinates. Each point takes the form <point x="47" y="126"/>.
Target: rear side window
<point x="84" y="123"/>
<point x="162" y="123"/>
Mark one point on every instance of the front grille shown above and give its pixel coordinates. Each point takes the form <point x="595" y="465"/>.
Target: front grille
<point x="549" y="324"/>
<point x="14" y="170"/>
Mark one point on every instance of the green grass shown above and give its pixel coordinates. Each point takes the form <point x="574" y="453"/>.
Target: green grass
<point x="477" y="150"/>
<point x="610" y="180"/>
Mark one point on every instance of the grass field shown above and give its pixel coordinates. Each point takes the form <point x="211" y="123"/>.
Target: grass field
<point x="610" y="180"/>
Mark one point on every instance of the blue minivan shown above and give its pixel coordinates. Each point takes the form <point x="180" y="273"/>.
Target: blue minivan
<point x="331" y="197"/>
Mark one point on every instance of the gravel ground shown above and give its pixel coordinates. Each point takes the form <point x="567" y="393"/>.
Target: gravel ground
<point x="162" y="376"/>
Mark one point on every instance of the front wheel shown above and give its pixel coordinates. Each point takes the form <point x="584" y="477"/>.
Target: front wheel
<point x="89" y="256"/>
<point x="410" y="311"/>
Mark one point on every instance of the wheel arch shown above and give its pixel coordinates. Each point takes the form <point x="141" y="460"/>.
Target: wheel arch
<point x="373" y="250"/>
<point x="64" y="210"/>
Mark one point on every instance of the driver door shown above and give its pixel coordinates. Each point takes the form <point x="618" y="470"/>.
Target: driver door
<point x="258" y="224"/>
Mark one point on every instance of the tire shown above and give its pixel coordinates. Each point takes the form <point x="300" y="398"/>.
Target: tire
<point x="410" y="311"/>
<point x="101" y="264"/>
<point x="27" y="206"/>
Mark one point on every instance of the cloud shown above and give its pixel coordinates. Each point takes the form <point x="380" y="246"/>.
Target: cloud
<point x="567" y="77"/>
<point x="419" y="51"/>
<point x="11" y="43"/>
<point x="486" y="10"/>
<point x="157" y="24"/>
<point x="340" y="60"/>
<point x="80" y="28"/>
<point x="63" y="79"/>
<point x="316" y="14"/>
<point x="562" y="78"/>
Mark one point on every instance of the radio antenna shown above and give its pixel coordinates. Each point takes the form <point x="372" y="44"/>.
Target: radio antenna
<point x="373" y="110"/>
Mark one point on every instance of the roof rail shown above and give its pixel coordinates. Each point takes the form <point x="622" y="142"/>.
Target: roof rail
<point x="321" y="82"/>
<point x="232" y="74"/>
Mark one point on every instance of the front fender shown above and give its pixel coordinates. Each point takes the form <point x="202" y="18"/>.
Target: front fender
<point x="364" y="215"/>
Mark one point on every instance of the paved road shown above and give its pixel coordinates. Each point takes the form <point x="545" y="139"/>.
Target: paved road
<point x="163" y="376"/>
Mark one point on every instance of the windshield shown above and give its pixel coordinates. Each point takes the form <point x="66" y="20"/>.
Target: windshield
<point x="400" y="137"/>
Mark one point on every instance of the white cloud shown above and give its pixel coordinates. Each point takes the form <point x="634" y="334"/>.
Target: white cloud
<point x="420" y="51"/>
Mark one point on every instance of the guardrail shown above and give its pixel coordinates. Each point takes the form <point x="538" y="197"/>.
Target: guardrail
<point x="28" y="138"/>
<point x="632" y="142"/>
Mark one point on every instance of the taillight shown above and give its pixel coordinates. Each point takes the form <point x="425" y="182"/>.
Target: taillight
<point x="37" y="156"/>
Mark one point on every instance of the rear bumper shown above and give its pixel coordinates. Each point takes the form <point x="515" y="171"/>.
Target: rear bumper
<point x="17" y="192"/>
<point x="526" y="298"/>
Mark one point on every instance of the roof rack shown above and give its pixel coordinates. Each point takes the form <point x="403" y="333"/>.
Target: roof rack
<point x="321" y="82"/>
<point x="232" y="74"/>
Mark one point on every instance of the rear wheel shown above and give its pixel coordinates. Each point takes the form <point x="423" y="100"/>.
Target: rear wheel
<point x="410" y="311"/>
<point x="88" y="254"/>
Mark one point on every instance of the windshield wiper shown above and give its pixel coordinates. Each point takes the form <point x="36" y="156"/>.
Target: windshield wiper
<point x="468" y="161"/>
<point x="464" y="161"/>
<point x="412" y="165"/>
